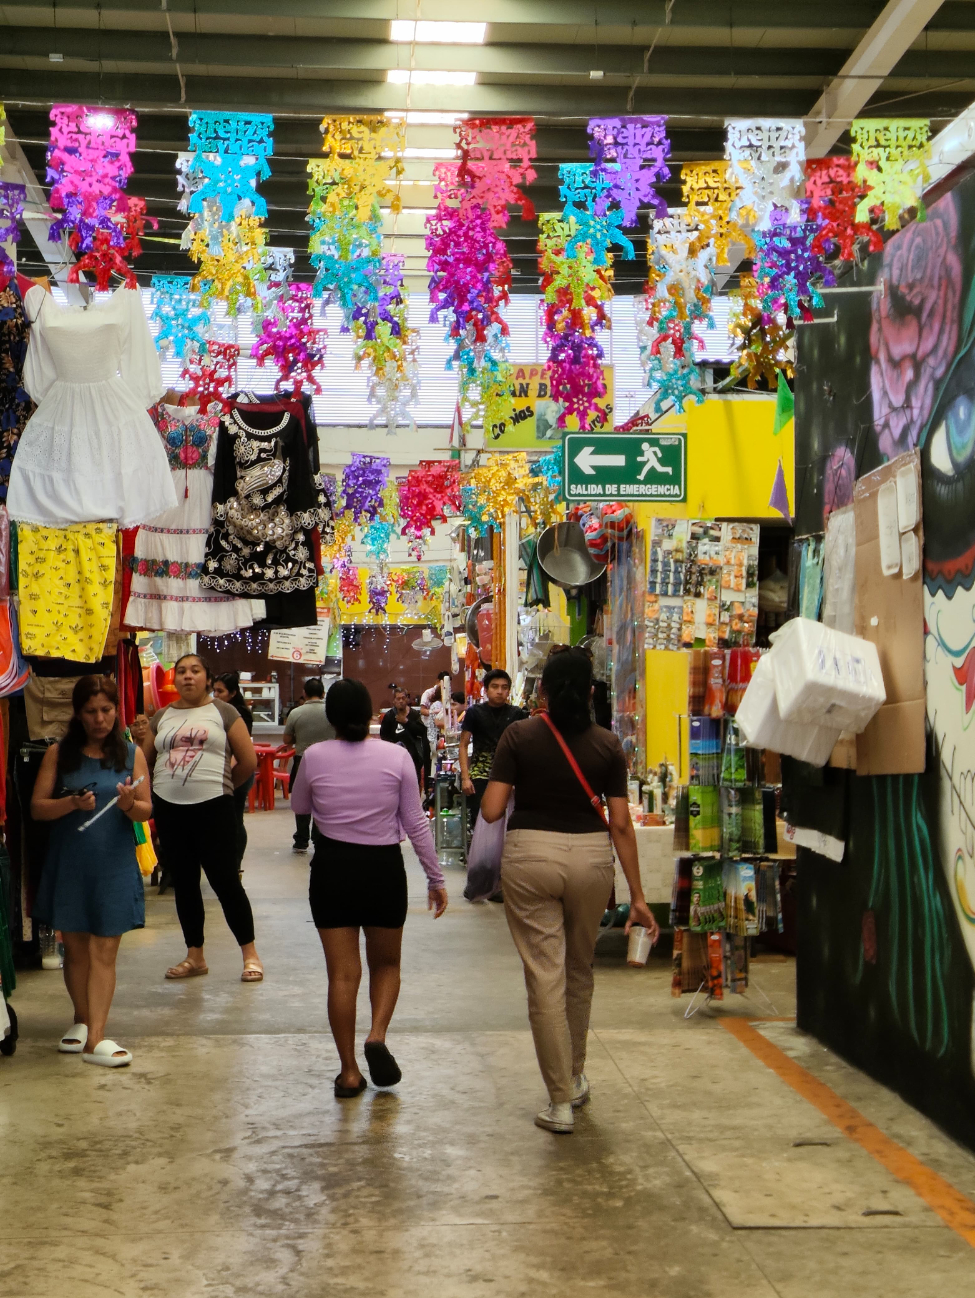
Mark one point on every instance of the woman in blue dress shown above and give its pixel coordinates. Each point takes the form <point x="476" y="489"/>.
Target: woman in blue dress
<point x="91" y="887"/>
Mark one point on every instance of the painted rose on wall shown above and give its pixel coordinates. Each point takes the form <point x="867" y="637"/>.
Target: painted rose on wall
<point x="914" y="333"/>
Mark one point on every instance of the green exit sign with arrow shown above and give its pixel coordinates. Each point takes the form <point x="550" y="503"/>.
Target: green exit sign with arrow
<point x="625" y="466"/>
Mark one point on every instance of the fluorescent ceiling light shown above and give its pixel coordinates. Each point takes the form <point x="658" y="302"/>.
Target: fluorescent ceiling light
<point x="410" y="152"/>
<point x="404" y="77"/>
<point x="432" y="33"/>
<point x="420" y="118"/>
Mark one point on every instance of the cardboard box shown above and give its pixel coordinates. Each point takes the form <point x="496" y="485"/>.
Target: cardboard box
<point x="890" y="612"/>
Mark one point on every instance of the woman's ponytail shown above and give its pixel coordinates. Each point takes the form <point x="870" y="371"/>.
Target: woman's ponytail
<point x="567" y="685"/>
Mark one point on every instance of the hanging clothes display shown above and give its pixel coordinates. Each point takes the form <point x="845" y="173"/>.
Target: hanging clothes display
<point x="167" y="562"/>
<point x="266" y="504"/>
<point x="16" y="406"/>
<point x="67" y="582"/>
<point x="90" y="451"/>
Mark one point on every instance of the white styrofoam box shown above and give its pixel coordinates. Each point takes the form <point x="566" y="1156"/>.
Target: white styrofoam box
<point x="759" y="721"/>
<point x="825" y="677"/>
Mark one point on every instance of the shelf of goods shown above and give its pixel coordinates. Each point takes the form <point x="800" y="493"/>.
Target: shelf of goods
<point x="726" y="883"/>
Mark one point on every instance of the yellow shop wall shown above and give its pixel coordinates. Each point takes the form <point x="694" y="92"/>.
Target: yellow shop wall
<point x="732" y="459"/>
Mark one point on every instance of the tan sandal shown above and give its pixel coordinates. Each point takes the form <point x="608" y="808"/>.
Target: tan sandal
<point x="253" y="972"/>
<point x="185" y="969"/>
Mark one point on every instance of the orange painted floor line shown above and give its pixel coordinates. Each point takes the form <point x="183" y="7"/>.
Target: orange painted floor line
<point x="954" y="1209"/>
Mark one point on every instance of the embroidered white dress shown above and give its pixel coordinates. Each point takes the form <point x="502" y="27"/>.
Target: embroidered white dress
<point x="90" y="451"/>
<point x="168" y="561"/>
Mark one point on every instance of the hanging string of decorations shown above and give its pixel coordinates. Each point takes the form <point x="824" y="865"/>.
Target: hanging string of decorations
<point x="470" y="270"/>
<point x="88" y="167"/>
<point x="291" y="341"/>
<point x="226" y="235"/>
<point x="12" y="200"/>
<point x="347" y="186"/>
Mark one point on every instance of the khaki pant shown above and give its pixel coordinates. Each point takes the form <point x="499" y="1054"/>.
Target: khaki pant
<point x="556" y="887"/>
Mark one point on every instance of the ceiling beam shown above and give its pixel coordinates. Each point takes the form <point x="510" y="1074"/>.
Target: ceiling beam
<point x="862" y="75"/>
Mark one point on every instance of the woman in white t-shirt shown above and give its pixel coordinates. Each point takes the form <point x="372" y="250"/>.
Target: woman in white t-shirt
<point x="199" y="750"/>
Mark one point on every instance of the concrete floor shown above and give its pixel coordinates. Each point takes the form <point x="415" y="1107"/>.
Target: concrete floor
<point x="220" y="1166"/>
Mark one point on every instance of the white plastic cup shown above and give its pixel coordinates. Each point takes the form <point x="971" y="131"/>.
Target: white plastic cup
<point x="639" y="948"/>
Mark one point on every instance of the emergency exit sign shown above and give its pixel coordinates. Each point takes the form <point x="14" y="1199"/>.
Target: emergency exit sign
<point x="625" y="466"/>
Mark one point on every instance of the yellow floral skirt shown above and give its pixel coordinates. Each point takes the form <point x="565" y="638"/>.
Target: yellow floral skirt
<point x="66" y="579"/>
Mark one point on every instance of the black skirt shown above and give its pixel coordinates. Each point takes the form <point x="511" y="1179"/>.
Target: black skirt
<point x="357" y="885"/>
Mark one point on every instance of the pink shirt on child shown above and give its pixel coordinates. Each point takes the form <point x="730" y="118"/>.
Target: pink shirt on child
<point x="365" y="793"/>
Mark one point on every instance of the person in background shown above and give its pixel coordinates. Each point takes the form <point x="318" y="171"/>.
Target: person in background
<point x="485" y="723"/>
<point x="429" y="699"/>
<point x="91" y="888"/>
<point x="364" y="798"/>
<point x="557" y="867"/>
<point x="307" y="724"/>
<point x="405" y="726"/>
<point x="438" y="713"/>
<point x="226" y="688"/>
<point x="199" y="750"/>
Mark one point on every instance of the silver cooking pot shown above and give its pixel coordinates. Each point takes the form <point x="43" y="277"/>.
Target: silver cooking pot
<point x="565" y="557"/>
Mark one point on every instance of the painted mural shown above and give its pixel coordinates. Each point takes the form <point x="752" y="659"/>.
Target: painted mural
<point x="896" y="923"/>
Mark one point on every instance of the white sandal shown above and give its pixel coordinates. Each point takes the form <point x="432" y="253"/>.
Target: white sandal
<point x="74" y="1040"/>
<point x="107" y="1054"/>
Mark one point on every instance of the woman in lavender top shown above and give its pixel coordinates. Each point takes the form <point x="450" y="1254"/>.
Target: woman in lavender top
<point x="364" y="799"/>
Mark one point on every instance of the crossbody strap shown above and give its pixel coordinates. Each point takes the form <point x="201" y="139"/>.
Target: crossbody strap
<point x="597" y="804"/>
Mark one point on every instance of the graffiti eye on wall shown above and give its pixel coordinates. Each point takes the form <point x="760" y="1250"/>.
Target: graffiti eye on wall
<point x="948" y="474"/>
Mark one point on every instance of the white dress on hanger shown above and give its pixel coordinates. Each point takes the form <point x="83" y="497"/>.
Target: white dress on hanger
<point x="166" y="594"/>
<point x="90" y="451"/>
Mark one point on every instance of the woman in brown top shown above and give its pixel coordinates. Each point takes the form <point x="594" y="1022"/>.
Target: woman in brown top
<point x="557" y="868"/>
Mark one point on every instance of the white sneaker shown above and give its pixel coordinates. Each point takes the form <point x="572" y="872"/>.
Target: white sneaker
<point x="558" y="1118"/>
<point x="580" y="1091"/>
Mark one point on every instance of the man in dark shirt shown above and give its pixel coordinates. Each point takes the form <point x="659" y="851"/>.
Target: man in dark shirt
<point x="485" y="723"/>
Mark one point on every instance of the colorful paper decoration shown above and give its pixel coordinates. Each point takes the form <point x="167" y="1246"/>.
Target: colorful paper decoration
<point x="212" y="376"/>
<point x="834" y="195"/>
<point x="88" y="166"/>
<point x="233" y="272"/>
<point x="576" y="290"/>
<point x="427" y="495"/>
<point x="279" y="266"/>
<point x="585" y="192"/>
<point x="103" y="260"/>
<point x="362" y="153"/>
<point x="411" y="588"/>
<point x="291" y="341"/>
<point x="470" y="271"/>
<point x="349" y="578"/>
<point x="549" y="467"/>
<point x="470" y="279"/>
<point x="12" y="200"/>
<point x="346" y="188"/>
<point x="230" y="152"/>
<point x="631" y="153"/>
<point x="787" y="271"/>
<point x="388" y="348"/>
<point x="496" y="155"/>
<point x="710" y="191"/>
<point x="766" y="161"/>
<point x="891" y="157"/>
<point x="376" y="538"/>
<point x="497" y="484"/>
<point x="363" y="484"/>
<point x="378" y="592"/>
<point x="767" y="343"/>
<point x="183" y="323"/>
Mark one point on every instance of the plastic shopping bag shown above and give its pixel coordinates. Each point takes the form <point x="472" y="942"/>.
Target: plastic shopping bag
<point x="484" y="857"/>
